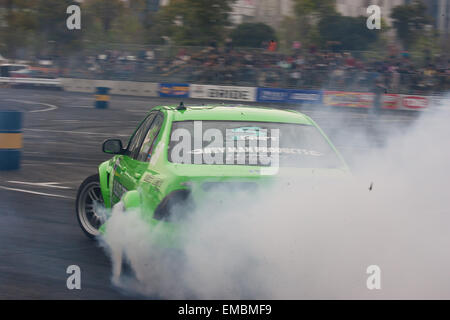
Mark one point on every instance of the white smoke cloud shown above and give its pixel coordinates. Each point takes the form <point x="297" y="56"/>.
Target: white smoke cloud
<point x="307" y="240"/>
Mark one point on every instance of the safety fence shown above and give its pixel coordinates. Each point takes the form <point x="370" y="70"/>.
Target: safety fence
<point x="242" y="93"/>
<point x="252" y="94"/>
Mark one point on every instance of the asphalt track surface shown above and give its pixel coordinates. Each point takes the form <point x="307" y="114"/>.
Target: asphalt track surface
<point x="63" y="133"/>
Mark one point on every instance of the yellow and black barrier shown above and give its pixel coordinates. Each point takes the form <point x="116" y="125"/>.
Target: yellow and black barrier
<point x="10" y="140"/>
<point x="101" y="97"/>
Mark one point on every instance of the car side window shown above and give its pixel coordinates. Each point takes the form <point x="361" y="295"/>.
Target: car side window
<point x="150" y="139"/>
<point x="136" y="140"/>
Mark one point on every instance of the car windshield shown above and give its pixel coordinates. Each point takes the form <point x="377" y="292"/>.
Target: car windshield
<point x="250" y="143"/>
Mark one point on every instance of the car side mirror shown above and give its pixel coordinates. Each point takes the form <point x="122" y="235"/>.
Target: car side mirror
<point x="112" y="146"/>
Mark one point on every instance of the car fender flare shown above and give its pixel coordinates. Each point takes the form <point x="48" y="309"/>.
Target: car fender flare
<point x="131" y="200"/>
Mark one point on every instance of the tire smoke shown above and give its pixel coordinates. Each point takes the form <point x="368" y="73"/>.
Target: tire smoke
<point x="310" y="239"/>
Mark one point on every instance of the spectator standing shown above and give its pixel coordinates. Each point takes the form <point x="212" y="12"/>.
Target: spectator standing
<point x="272" y="46"/>
<point x="379" y="89"/>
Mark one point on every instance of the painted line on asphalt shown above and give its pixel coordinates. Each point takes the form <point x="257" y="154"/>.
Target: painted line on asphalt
<point x="41" y="184"/>
<point x="77" y="132"/>
<point x="36" y="193"/>
<point x="39" y="164"/>
<point x="51" y="107"/>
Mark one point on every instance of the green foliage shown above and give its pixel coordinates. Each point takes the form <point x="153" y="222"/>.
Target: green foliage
<point x="252" y="34"/>
<point x="18" y="25"/>
<point x="105" y="10"/>
<point x="425" y="47"/>
<point x="127" y="29"/>
<point x="318" y="23"/>
<point x="410" y="20"/>
<point x="195" y="22"/>
<point x="39" y="26"/>
<point x="51" y="24"/>
<point x="320" y="8"/>
<point x="304" y="27"/>
<point x="349" y="33"/>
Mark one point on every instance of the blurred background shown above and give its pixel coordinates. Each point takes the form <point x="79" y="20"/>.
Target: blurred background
<point x="307" y="44"/>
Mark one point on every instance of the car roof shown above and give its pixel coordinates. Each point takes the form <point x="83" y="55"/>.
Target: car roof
<point x="233" y="112"/>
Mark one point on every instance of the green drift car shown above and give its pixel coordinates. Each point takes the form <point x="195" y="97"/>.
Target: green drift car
<point x="180" y="155"/>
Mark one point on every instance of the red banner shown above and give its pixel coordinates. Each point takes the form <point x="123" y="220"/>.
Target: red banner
<point x="414" y="102"/>
<point x="366" y="99"/>
<point x="391" y="101"/>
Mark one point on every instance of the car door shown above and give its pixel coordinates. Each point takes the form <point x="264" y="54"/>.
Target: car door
<point x="122" y="180"/>
<point x="135" y="162"/>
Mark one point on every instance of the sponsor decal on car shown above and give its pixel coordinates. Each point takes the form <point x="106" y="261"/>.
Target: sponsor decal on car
<point x="118" y="189"/>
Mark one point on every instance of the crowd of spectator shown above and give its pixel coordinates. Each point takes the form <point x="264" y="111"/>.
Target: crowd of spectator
<point x="305" y="69"/>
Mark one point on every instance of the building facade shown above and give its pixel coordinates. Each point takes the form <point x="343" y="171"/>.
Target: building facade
<point x="439" y="10"/>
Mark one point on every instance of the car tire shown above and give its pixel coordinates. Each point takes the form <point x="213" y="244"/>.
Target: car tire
<point x="89" y="206"/>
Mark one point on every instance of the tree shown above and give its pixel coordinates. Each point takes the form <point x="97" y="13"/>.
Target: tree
<point x="410" y="21"/>
<point x="350" y="33"/>
<point x="18" y="25"/>
<point x="319" y="8"/>
<point x="106" y="11"/>
<point x="195" y="22"/>
<point x="52" y="36"/>
<point x="304" y="26"/>
<point x="252" y="35"/>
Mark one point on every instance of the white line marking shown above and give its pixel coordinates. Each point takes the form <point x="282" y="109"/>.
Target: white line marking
<point x="50" y="106"/>
<point x="41" y="184"/>
<point x="39" y="164"/>
<point x="37" y="193"/>
<point x="78" y="132"/>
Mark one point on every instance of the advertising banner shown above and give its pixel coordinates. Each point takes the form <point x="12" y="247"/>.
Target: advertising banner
<point x="348" y="99"/>
<point x="439" y="102"/>
<point x="391" y="101"/>
<point x="223" y="92"/>
<point x="272" y="95"/>
<point x="174" y="90"/>
<point x="304" y="96"/>
<point x="409" y="102"/>
<point x="288" y="95"/>
<point x="130" y="88"/>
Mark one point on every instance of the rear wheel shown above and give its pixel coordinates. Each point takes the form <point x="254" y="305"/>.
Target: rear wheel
<point x="90" y="206"/>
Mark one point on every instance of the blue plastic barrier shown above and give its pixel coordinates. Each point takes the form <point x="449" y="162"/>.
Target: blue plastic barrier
<point x="10" y="140"/>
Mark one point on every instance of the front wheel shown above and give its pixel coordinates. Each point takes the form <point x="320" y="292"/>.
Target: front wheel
<point x="90" y="206"/>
